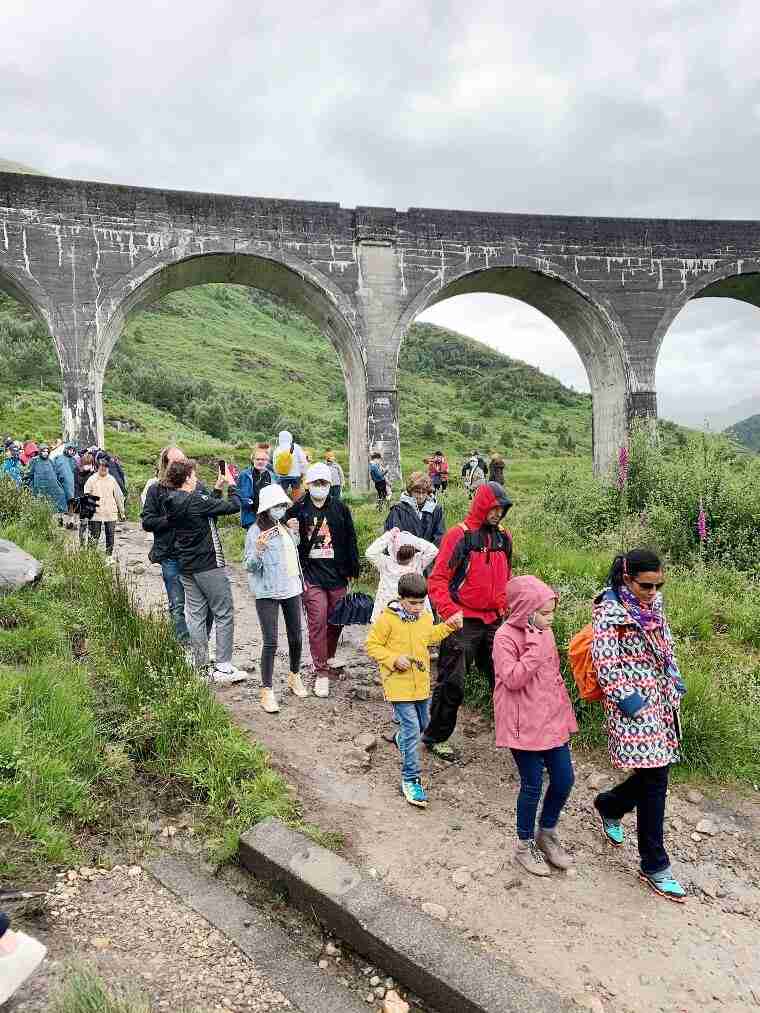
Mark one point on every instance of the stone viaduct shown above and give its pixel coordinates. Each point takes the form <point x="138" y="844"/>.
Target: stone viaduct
<point x="85" y="256"/>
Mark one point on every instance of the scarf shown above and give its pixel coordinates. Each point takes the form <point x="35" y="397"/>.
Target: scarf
<point x="652" y="622"/>
<point x="398" y="609"/>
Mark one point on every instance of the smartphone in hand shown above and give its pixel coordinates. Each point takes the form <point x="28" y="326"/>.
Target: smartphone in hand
<point x="222" y="467"/>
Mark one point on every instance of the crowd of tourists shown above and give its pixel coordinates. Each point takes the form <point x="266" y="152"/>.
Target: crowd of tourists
<point x="450" y="589"/>
<point x="85" y="486"/>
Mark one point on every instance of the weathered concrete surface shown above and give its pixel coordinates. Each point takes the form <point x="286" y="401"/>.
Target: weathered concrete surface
<point x="84" y="256"/>
<point x="17" y="568"/>
<point x="273" y="954"/>
<point x="425" y="956"/>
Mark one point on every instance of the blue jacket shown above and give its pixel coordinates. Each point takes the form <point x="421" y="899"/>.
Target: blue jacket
<point x="12" y="468"/>
<point x="376" y="473"/>
<point x="42" y="479"/>
<point x="248" y="490"/>
<point x="64" y="468"/>
<point x="267" y="575"/>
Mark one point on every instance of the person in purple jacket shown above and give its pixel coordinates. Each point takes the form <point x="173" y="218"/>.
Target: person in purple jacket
<point x="535" y="719"/>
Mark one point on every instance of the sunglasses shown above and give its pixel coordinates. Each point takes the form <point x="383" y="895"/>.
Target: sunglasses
<point x="648" y="585"/>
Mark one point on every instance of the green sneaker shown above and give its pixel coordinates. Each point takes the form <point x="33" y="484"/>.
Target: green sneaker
<point x="414" y="793"/>
<point x="612" y="829"/>
<point x="664" y="885"/>
<point x="443" y="751"/>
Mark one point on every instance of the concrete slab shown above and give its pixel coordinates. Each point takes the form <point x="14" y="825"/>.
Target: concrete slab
<point x="424" y="955"/>
<point x="309" y="989"/>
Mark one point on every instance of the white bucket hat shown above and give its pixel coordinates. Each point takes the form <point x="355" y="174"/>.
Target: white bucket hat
<point x="272" y="495"/>
<point x="319" y="472"/>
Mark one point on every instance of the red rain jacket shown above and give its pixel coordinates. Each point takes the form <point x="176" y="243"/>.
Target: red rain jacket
<point x="483" y="593"/>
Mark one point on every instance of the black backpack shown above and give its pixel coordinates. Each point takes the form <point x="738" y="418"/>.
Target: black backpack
<point x="473" y="542"/>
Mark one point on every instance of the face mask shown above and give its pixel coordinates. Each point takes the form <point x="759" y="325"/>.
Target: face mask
<point x="319" y="494"/>
<point x="277" y="513"/>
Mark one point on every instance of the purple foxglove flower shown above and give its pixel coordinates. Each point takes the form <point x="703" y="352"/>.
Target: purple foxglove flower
<point x="702" y="523"/>
<point x="623" y="462"/>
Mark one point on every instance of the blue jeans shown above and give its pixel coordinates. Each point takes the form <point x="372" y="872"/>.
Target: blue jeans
<point x="531" y="765"/>
<point x="175" y="592"/>
<point x="412" y="717"/>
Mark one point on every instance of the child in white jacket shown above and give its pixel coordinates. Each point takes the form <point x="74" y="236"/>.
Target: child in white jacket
<point x="405" y="554"/>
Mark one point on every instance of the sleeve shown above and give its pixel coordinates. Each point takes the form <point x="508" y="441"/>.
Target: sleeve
<point x="438" y="583"/>
<point x="245" y="488"/>
<point x="118" y="496"/>
<point x="254" y="562"/>
<point x="438" y="633"/>
<point x="352" y="550"/>
<point x="613" y="682"/>
<point x="390" y="520"/>
<point x="146" y="488"/>
<point x="153" y="518"/>
<point x="377" y="642"/>
<point x="515" y="670"/>
<point x="216" y="506"/>
<point x="437" y="532"/>
<point x="375" y="551"/>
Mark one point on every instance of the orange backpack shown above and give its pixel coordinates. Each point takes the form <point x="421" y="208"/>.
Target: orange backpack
<point x="582" y="665"/>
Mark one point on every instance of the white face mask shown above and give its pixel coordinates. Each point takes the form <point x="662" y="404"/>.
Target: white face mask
<point x="277" y="513"/>
<point x="319" y="493"/>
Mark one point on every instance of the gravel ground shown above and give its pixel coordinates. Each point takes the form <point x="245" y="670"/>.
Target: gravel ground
<point x="138" y="936"/>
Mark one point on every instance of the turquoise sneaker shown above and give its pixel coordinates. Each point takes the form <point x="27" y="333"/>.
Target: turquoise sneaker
<point x="612" y="829"/>
<point x="414" y="793"/>
<point x="664" y="885"/>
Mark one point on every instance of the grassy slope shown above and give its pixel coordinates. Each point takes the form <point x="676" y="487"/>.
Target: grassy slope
<point x="747" y="432"/>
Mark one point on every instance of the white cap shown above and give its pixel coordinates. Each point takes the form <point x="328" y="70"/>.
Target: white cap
<point x="272" y="495"/>
<point x="319" y="472"/>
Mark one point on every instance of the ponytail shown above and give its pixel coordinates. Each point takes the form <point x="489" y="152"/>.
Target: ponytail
<point x="631" y="564"/>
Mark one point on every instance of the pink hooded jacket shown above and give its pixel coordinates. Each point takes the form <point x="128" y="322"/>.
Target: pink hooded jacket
<point x="532" y="709"/>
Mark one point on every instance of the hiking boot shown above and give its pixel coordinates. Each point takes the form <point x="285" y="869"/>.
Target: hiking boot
<point x="547" y="841"/>
<point x="414" y="793"/>
<point x="612" y="829"/>
<point x="227" y="675"/>
<point x="531" y="859"/>
<point x="443" y="751"/>
<point x="321" y="686"/>
<point x="665" y="885"/>
<point x="295" y="685"/>
<point x="268" y="701"/>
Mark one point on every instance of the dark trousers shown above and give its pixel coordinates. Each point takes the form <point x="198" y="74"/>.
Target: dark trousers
<point x="268" y="611"/>
<point x="318" y="603"/>
<point x="530" y="764"/>
<point x="381" y="488"/>
<point x="110" y="527"/>
<point x="473" y="643"/>
<point x="645" y="791"/>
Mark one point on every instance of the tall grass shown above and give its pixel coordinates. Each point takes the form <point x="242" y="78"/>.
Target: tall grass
<point x="85" y="991"/>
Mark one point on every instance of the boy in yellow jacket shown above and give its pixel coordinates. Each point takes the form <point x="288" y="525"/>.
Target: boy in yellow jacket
<point x="399" y="641"/>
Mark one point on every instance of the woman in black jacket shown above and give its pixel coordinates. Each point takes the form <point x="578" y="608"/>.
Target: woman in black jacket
<point x="417" y="511"/>
<point x="329" y="560"/>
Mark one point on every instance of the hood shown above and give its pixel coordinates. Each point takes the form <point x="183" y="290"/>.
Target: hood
<point x="30" y="447"/>
<point x="488" y="496"/>
<point x="284" y="439"/>
<point x="525" y="595"/>
<point x="178" y="503"/>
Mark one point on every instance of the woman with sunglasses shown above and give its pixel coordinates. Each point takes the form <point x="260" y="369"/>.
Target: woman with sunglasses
<point x="633" y="655"/>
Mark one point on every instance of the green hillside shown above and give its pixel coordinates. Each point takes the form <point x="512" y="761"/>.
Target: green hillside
<point x="746" y="432"/>
<point x="225" y="363"/>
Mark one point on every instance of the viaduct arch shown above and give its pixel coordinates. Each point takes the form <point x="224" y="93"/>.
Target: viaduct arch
<point x="84" y="256"/>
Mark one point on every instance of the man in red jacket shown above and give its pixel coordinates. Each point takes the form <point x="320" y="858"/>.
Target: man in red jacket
<point x="468" y="587"/>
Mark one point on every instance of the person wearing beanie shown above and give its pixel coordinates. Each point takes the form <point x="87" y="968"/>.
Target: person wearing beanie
<point x="250" y="483"/>
<point x="338" y="479"/>
<point x="329" y="557"/>
<point x="276" y="581"/>
<point x="417" y="511"/>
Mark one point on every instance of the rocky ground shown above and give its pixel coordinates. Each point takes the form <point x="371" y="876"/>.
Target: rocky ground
<point x="596" y="933"/>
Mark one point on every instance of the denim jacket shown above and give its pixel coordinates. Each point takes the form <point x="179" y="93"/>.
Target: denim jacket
<point x="267" y="573"/>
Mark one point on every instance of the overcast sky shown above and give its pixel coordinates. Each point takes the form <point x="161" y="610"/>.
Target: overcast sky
<point x="647" y="109"/>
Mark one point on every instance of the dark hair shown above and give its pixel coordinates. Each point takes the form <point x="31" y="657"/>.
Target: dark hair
<point x="178" y="473"/>
<point x="375" y="454"/>
<point x="632" y="563"/>
<point x="405" y="553"/>
<point x="412" y="585"/>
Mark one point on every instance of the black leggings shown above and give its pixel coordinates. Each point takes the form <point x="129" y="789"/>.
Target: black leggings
<point x="268" y="610"/>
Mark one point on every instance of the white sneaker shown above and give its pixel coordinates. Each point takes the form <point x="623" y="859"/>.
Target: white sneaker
<point x="321" y="686"/>
<point x="295" y="685"/>
<point x="228" y="675"/>
<point x="268" y="701"/>
<point x="20" y="957"/>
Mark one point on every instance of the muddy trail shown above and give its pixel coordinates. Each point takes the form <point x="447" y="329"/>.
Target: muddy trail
<point x="595" y="934"/>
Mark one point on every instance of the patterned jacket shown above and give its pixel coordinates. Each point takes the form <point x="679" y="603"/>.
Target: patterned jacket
<point x="641" y="700"/>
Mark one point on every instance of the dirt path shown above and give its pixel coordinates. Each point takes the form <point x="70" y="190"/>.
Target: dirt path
<point x="597" y="934"/>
